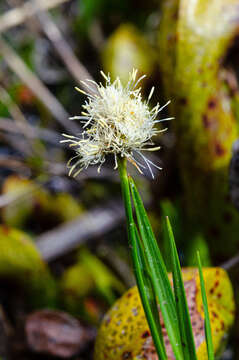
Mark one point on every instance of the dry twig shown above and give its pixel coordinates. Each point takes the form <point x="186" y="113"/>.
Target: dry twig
<point x="13" y="108"/>
<point x="77" y="70"/>
<point x="19" y="118"/>
<point x="10" y="162"/>
<point x="234" y="261"/>
<point x="30" y="131"/>
<point x="36" y="86"/>
<point x="18" y="15"/>
<point x="66" y="237"/>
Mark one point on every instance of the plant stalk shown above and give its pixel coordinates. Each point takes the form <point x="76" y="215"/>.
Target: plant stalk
<point x="134" y="249"/>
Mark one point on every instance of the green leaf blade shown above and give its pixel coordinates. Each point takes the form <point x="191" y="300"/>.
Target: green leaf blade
<point x="148" y="297"/>
<point x="185" y="325"/>
<point x="159" y="275"/>
<point x="144" y="286"/>
<point x="207" y="325"/>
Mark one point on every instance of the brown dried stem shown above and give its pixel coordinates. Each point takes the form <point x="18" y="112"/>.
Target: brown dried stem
<point x="30" y="131"/>
<point x="16" y="64"/>
<point x="83" y="229"/>
<point x="77" y="70"/>
<point x="20" y="14"/>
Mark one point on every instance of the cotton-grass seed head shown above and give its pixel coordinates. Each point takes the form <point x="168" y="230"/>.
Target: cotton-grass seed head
<point x="116" y="120"/>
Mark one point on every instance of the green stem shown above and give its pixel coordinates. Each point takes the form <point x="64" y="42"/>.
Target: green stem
<point x="134" y="246"/>
<point x="122" y="165"/>
<point x="126" y="197"/>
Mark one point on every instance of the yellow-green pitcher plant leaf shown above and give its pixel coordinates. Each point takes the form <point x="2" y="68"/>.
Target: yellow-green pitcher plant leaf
<point x="127" y="49"/>
<point x="193" y="44"/>
<point x="88" y="278"/>
<point x="21" y="262"/>
<point x="32" y="204"/>
<point x="124" y="332"/>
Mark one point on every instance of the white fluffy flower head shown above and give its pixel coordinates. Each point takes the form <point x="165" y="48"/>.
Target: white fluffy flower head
<point x="115" y="121"/>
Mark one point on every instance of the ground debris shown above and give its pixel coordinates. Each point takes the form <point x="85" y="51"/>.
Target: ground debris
<point x="56" y="333"/>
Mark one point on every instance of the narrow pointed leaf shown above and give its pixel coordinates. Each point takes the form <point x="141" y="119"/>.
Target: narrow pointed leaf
<point x="207" y="325"/>
<point x="160" y="281"/>
<point x="185" y="325"/>
<point x="148" y="297"/>
<point x="138" y="264"/>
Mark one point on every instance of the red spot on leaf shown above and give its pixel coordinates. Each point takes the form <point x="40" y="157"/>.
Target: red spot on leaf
<point x="212" y="103"/>
<point x="127" y="355"/>
<point x="145" y="334"/>
<point x="219" y="150"/>
<point x="183" y="101"/>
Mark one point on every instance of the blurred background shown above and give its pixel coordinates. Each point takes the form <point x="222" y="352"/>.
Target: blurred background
<point x="63" y="243"/>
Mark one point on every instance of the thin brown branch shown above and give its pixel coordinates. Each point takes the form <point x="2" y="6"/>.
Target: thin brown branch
<point x="76" y="69"/>
<point x="17" y="143"/>
<point x="18" y="15"/>
<point x="83" y="229"/>
<point x="19" y="118"/>
<point x="37" y="87"/>
<point x="234" y="261"/>
<point x="10" y="162"/>
<point x="30" y="131"/>
<point x="13" y="109"/>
